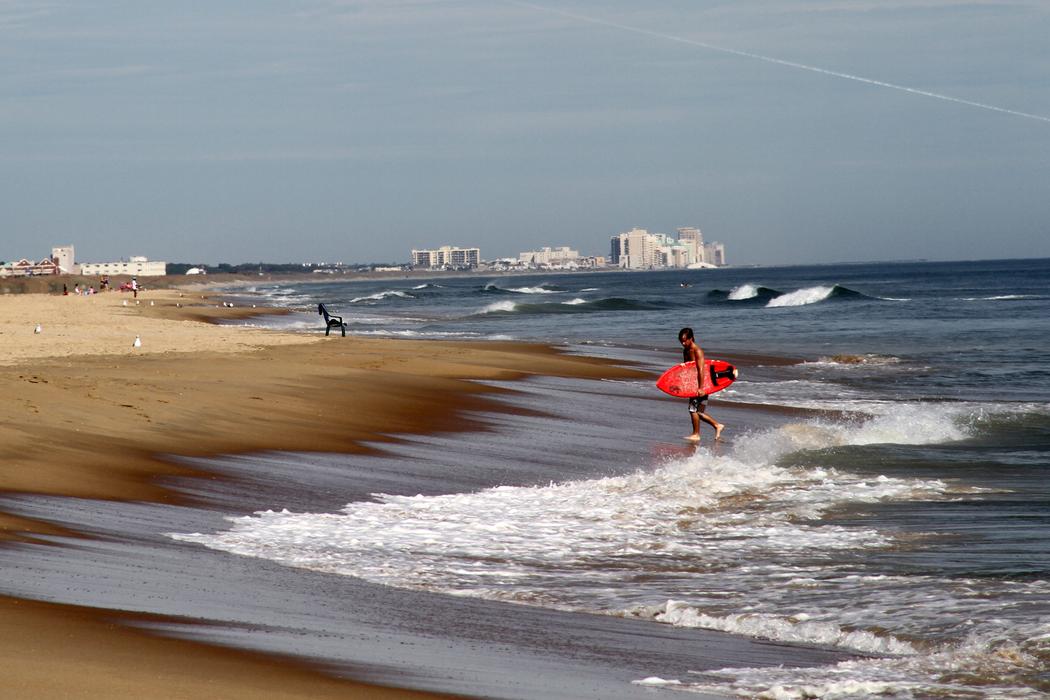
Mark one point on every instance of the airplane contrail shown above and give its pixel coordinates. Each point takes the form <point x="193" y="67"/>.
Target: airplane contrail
<point x="777" y="61"/>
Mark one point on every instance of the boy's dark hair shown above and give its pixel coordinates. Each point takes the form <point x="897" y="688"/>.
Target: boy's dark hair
<point x="685" y="333"/>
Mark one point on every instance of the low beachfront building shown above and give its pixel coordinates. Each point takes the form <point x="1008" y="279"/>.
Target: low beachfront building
<point x="28" y="268"/>
<point x="446" y="257"/>
<point x="550" y="257"/>
<point x="137" y="266"/>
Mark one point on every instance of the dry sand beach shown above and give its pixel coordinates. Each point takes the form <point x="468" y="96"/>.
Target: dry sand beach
<point x="88" y="415"/>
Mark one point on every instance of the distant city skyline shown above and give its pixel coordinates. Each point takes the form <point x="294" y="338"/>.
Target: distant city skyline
<point x="355" y="130"/>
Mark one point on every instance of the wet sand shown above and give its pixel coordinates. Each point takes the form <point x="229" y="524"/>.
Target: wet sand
<point x="64" y="651"/>
<point x="90" y="417"/>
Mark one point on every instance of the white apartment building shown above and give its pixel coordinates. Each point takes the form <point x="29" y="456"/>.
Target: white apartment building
<point x="446" y="257"/>
<point x="715" y="253"/>
<point x="638" y="249"/>
<point x="136" y="265"/>
<point x="677" y="255"/>
<point x="694" y="238"/>
<point x="550" y="257"/>
<point x="65" y="257"/>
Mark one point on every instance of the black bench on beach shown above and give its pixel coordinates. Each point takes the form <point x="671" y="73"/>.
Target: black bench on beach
<point x="332" y="321"/>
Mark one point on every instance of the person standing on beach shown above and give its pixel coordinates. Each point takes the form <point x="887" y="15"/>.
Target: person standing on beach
<point x="134" y="287"/>
<point x="691" y="352"/>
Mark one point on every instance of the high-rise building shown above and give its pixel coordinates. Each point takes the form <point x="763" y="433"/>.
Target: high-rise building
<point x="694" y="238"/>
<point x="615" y="250"/>
<point x="715" y="253"/>
<point x="638" y="249"/>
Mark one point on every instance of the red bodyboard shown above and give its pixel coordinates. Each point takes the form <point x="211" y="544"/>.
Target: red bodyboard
<point x="680" y="380"/>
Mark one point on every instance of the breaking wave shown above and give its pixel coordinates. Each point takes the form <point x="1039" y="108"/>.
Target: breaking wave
<point x="379" y="296"/>
<point x="493" y="288"/>
<point x="814" y="295"/>
<point x="744" y="294"/>
<point x="755" y="294"/>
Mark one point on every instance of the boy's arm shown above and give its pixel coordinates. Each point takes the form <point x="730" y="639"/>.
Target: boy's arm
<point x="698" y="358"/>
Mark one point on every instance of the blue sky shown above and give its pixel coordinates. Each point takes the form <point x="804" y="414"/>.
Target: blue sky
<point x="356" y="130"/>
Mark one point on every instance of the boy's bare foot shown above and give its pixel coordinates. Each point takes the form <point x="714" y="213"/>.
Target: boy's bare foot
<point x="692" y="438"/>
<point x="718" y="431"/>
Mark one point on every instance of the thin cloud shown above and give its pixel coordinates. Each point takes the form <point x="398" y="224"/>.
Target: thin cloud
<point x="675" y="38"/>
<point x="15" y="14"/>
<point x="526" y="121"/>
<point x="102" y="72"/>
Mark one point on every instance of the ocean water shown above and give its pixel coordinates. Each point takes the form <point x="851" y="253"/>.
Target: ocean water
<point x="894" y="500"/>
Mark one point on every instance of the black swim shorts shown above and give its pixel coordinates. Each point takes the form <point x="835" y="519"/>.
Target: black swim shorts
<point x="698" y="404"/>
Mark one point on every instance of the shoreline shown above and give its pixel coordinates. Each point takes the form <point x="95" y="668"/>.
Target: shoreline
<point x="196" y="389"/>
<point x="91" y="417"/>
<point x="71" y="651"/>
<point x="125" y="425"/>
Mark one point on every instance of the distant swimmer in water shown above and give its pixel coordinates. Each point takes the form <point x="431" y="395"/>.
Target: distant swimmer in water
<point x="691" y="352"/>
<point x="684" y="284"/>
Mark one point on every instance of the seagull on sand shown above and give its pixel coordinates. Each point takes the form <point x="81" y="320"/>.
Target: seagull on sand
<point x="137" y="343"/>
<point x="38" y="329"/>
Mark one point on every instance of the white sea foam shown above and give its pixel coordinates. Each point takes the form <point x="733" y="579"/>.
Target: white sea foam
<point x="369" y="320"/>
<point x="824" y="396"/>
<point x="417" y="334"/>
<point x="575" y="302"/>
<point x="857" y="360"/>
<point x="1004" y="297"/>
<point x="744" y="291"/>
<point x="284" y="298"/>
<point x="284" y="323"/>
<point x="500" y="307"/>
<point x="657" y="682"/>
<point x="537" y="543"/>
<point x="949" y="671"/>
<point x="532" y="290"/>
<point x="799" y="628"/>
<point x="801" y="297"/>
